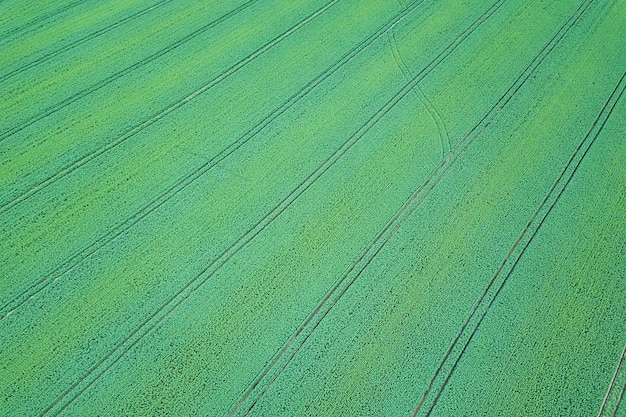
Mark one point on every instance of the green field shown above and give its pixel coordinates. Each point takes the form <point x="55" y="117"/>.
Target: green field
<point x="313" y="208"/>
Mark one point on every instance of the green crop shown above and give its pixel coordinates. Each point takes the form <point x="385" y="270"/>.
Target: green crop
<point x="313" y="208"/>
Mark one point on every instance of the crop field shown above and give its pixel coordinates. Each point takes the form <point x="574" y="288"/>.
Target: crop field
<point x="313" y="208"/>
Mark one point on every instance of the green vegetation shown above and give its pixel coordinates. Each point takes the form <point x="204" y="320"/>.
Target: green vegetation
<point x="326" y="207"/>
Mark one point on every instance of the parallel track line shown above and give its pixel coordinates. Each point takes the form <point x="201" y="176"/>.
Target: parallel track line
<point x="609" y="393"/>
<point x="82" y="40"/>
<point x="39" y="19"/>
<point x="88" y="251"/>
<point x="108" y="80"/>
<point x="533" y="228"/>
<point x="530" y="69"/>
<point x="105" y="364"/>
<point x="164" y="112"/>
<point x="370" y="252"/>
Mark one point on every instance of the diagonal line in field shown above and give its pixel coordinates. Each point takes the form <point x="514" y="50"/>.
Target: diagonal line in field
<point x="88" y="251"/>
<point x="122" y="73"/>
<point x="39" y="19"/>
<point x="164" y="112"/>
<point x="610" y="393"/>
<point x="556" y="39"/>
<point x="533" y="227"/>
<point x="82" y="40"/>
<point x="106" y="363"/>
<point x="266" y="378"/>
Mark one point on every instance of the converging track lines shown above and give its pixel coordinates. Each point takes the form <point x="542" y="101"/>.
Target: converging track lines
<point x="82" y="40"/>
<point x="290" y="349"/>
<point x="525" y="238"/>
<point x="151" y="322"/>
<point x="556" y="39"/>
<point x="374" y="202"/>
<point x="164" y="112"/>
<point x="444" y="136"/>
<point x="192" y="176"/>
<point x="280" y="361"/>
<point x="108" y="80"/>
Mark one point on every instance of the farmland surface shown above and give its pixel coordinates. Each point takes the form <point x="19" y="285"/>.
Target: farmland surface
<point x="313" y="208"/>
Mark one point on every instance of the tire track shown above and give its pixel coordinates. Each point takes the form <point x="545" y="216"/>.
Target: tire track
<point x="525" y="238"/>
<point x="163" y="113"/>
<point x="264" y="380"/>
<point x="104" y="365"/>
<point x="82" y="40"/>
<point x="619" y="401"/>
<point x="90" y="250"/>
<point x="89" y="90"/>
<point x="342" y="286"/>
<point x="444" y="136"/>
<point x="39" y="19"/>
<point x="530" y="69"/>
<point x="612" y="400"/>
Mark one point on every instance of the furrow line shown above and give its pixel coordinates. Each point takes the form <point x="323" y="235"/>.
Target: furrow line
<point x="532" y="228"/>
<point x="82" y="40"/>
<point x="39" y="19"/>
<point x="432" y="111"/>
<point x="184" y="182"/>
<point x="85" y="92"/>
<point x="410" y="206"/>
<point x="268" y="376"/>
<point x="530" y="69"/>
<point x="166" y="111"/>
<point x="619" y="374"/>
<point x="100" y="368"/>
<point x="619" y="401"/>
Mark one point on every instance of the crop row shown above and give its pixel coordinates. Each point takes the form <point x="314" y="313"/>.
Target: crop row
<point x="284" y="214"/>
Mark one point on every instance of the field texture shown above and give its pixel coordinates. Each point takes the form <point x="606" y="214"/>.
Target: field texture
<point x="313" y="207"/>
